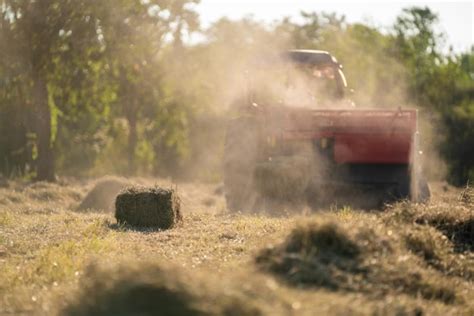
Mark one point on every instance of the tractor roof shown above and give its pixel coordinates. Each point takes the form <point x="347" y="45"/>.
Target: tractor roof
<point x="313" y="57"/>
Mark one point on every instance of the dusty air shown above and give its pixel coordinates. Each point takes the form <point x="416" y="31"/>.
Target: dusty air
<point x="222" y="158"/>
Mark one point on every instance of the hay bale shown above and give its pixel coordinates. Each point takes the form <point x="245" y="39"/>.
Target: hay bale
<point x="102" y="196"/>
<point x="148" y="207"/>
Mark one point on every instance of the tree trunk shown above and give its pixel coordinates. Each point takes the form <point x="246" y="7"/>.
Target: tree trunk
<point x="132" y="142"/>
<point x="129" y="108"/>
<point x="42" y="117"/>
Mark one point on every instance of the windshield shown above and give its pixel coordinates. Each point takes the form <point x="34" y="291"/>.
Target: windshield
<point x="298" y="84"/>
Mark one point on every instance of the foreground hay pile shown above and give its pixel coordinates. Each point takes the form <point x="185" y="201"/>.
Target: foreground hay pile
<point x="148" y="207"/>
<point x="453" y="221"/>
<point x="407" y="251"/>
<point x="151" y="289"/>
<point x="467" y="196"/>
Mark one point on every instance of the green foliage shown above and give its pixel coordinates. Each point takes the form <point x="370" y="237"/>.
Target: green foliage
<point x="100" y="87"/>
<point x="442" y="84"/>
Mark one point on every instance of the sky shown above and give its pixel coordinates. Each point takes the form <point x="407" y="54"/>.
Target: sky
<point x="456" y="17"/>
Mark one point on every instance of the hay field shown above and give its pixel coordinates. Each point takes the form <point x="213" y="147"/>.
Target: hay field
<point x="405" y="260"/>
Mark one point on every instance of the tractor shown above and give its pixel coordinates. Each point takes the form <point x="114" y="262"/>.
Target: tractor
<point x="316" y="147"/>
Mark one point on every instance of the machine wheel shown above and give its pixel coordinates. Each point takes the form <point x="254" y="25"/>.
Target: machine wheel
<point x="414" y="188"/>
<point x="240" y="157"/>
<point x="420" y="191"/>
<point x="423" y="192"/>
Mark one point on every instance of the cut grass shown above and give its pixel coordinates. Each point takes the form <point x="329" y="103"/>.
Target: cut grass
<point x="467" y="195"/>
<point x="359" y="257"/>
<point x="151" y="289"/>
<point x="102" y="195"/>
<point x="44" y="254"/>
<point x="5" y="218"/>
<point x="209" y="259"/>
<point x="456" y="222"/>
<point x="438" y="252"/>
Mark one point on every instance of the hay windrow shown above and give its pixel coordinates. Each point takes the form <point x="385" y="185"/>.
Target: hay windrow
<point x="132" y="291"/>
<point x="467" y="196"/>
<point x="102" y="196"/>
<point x="459" y="230"/>
<point x="151" y="207"/>
<point x="438" y="252"/>
<point x="139" y="288"/>
<point x="354" y="258"/>
<point x="455" y="222"/>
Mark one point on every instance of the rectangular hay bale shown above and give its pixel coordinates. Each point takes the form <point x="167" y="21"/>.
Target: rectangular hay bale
<point x="148" y="207"/>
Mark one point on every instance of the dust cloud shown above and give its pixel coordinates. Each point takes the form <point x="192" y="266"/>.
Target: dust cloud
<point x="247" y="69"/>
<point x="240" y="66"/>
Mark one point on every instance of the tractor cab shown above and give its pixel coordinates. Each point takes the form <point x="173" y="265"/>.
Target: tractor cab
<point x="320" y="67"/>
<point x="303" y="78"/>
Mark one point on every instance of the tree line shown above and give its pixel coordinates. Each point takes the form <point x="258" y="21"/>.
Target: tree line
<point x="90" y="87"/>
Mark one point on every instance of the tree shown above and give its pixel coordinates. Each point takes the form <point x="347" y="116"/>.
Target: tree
<point x="441" y="84"/>
<point x="74" y="60"/>
<point x="43" y="36"/>
<point x="417" y="45"/>
<point x="135" y="34"/>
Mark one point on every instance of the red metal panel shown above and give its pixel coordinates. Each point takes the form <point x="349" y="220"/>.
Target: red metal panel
<point x="372" y="148"/>
<point x="351" y="120"/>
<point x="359" y="136"/>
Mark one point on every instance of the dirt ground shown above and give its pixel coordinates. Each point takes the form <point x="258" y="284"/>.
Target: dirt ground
<point x="52" y="256"/>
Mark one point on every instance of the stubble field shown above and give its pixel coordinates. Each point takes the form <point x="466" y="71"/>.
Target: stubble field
<point x="406" y="259"/>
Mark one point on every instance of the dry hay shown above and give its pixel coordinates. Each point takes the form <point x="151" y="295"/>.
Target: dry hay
<point x="102" y="195"/>
<point x="456" y="222"/>
<point x="43" y="191"/>
<point x="151" y="289"/>
<point x="283" y="178"/>
<point x="460" y="230"/>
<point x="467" y="195"/>
<point x="358" y="257"/>
<point x="4" y="182"/>
<point x="148" y="207"/>
<point x="437" y="251"/>
<point x="441" y="234"/>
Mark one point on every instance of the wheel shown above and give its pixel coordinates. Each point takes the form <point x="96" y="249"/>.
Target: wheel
<point x="240" y="157"/>
<point x="415" y="188"/>
<point x="420" y="190"/>
<point x="423" y="192"/>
